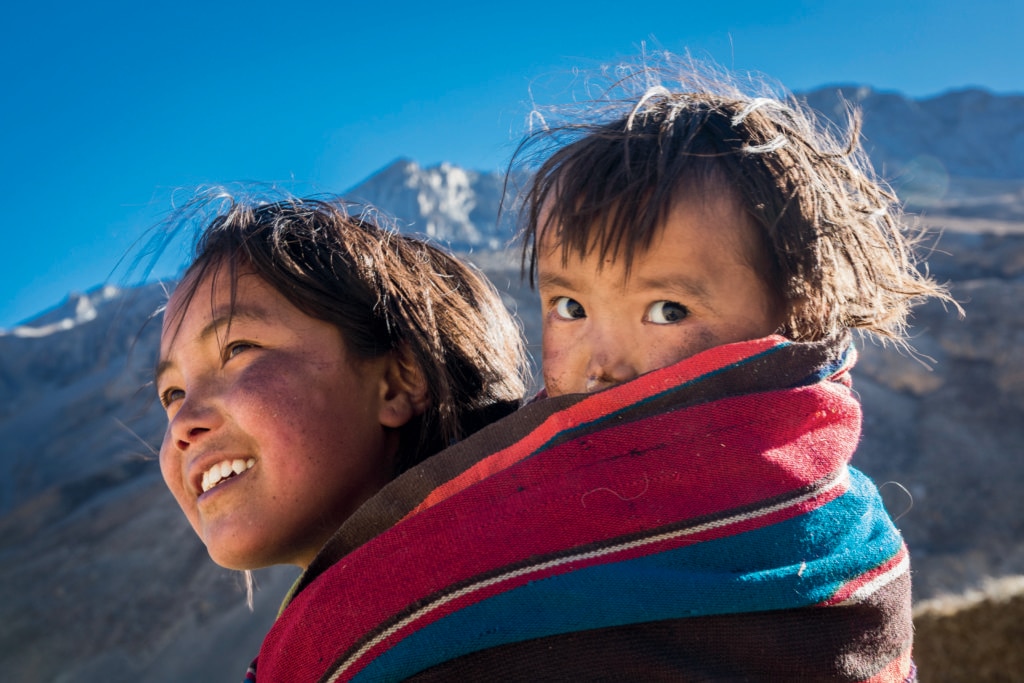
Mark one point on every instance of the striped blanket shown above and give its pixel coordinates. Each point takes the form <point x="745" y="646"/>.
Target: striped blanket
<point x="698" y="523"/>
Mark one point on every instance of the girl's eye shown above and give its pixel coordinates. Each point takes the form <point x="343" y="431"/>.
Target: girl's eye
<point x="234" y="348"/>
<point x="169" y="396"/>
<point x="666" y="312"/>
<point x="569" y="309"/>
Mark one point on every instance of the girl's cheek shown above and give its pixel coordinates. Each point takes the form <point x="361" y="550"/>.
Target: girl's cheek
<point x="170" y="470"/>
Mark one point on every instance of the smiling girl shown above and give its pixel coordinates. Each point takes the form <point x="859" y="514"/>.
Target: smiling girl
<point x="306" y="359"/>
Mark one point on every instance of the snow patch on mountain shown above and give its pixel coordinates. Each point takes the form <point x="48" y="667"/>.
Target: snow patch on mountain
<point x="83" y="308"/>
<point x="80" y="337"/>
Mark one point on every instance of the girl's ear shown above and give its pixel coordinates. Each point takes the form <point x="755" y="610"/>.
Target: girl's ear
<point x="404" y="392"/>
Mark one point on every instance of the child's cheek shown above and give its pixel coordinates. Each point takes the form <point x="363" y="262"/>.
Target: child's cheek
<point x="556" y="368"/>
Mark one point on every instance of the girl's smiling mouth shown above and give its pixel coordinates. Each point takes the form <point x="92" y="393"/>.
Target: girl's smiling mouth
<point x="224" y="470"/>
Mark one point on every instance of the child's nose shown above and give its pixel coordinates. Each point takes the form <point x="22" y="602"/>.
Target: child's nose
<point x="612" y="360"/>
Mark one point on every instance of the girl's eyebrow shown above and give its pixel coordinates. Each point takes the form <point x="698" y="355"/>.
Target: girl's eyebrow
<point x="220" y="320"/>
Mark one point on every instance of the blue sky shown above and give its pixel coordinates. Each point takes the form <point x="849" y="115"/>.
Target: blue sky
<point x="111" y="108"/>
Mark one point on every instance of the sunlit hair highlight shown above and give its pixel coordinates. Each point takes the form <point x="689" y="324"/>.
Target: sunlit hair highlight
<point x="386" y="293"/>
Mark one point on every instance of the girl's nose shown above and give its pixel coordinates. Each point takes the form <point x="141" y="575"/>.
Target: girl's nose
<point x="195" y="419"/>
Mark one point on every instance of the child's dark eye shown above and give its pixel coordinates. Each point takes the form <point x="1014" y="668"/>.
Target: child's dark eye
<point x="666" y="312"/>
<point x="569" y="309"/>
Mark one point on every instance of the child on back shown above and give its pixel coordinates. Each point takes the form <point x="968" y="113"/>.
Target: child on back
<point x="729" y="240"/>
<point x="698" y="218"/>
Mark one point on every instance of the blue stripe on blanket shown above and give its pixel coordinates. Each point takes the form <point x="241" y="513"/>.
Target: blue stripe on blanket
<point x="796" y="563"/>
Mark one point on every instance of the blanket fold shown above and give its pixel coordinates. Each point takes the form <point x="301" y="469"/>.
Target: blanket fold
<point x="698" y="523"/>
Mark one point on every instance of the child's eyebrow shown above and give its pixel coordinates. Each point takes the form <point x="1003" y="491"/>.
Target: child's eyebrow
<point x="553" y="280"/>
<point x="220" y="320"/>
<point x="694" y="287"/>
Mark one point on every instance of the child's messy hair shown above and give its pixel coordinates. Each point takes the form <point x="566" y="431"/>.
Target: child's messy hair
<point x="614" y="166"/>
<point x="386" y="293"/>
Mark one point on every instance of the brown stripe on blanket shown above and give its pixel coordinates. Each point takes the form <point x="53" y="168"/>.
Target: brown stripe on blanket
<point x="848" y="643"/>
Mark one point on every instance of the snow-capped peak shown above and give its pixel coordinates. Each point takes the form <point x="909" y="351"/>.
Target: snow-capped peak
<point x="77" y="310"/>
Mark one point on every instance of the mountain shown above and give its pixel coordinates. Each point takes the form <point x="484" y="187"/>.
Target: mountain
<point x="958" y="153"/>
<point x="454" y="206"/>
<point x="968" y="133"/>
<point x="101" y="577"/>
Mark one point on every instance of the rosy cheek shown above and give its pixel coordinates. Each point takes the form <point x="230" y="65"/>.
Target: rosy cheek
<point x="674" y="356"/>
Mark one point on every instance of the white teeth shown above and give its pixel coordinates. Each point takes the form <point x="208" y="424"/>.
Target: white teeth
<point x="224" y="469"/>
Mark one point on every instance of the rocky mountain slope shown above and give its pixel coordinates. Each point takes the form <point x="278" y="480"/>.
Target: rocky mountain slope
<point x="101" y="577"/>
<point x="968" y="133"/>
<point x="445" y="203"/>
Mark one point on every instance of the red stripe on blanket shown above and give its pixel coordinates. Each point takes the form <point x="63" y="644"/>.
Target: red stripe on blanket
<point x="898" y="670"/>
<point x="865" y="584"/>
<point x="601" y="404"/>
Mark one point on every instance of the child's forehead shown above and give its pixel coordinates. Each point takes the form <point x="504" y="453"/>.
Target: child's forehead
<point x="711" y="214"/>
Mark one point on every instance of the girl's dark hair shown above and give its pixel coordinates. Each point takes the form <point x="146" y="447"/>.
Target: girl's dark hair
<point x="386" y="293"/>
<point x="838" y="252"/>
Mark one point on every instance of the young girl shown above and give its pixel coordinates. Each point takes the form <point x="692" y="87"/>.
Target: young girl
<point x="307" y="358"/>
